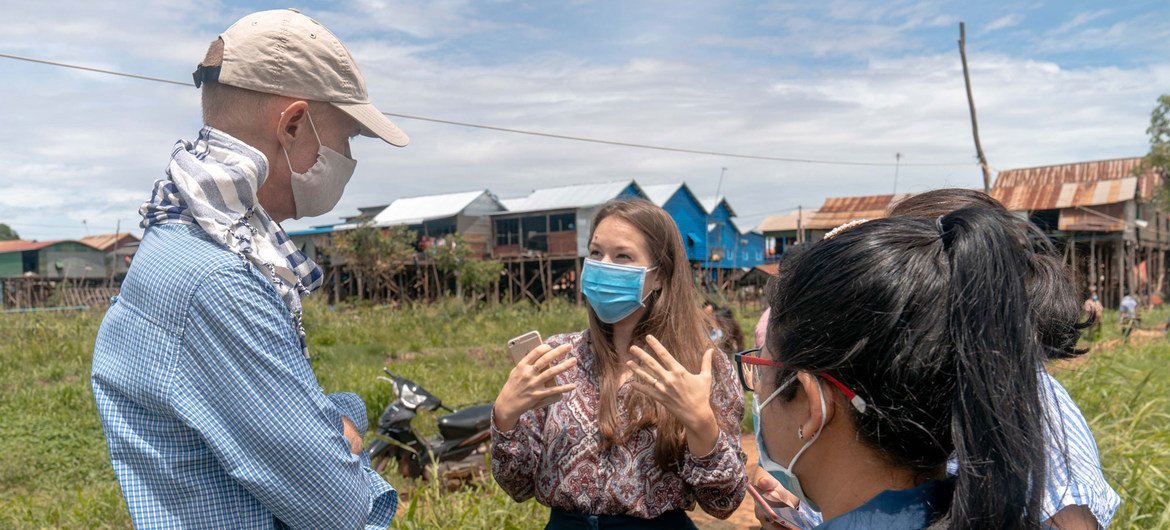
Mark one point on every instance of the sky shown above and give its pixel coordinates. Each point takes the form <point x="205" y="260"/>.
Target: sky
<point x="837" y="80"/>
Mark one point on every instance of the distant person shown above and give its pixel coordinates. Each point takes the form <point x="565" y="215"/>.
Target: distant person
<point x="1127" y="316"/>
<point x="726" y="332"/>
<point x="1076" y="493"/>
<point x="1096" y="310"/>
<point x="211" y="411"/>
<point x="649" y="415"/>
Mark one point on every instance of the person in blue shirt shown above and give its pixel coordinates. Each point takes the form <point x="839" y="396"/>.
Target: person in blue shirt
<point x="892" y="346"/>
<point x="212" y="415"/>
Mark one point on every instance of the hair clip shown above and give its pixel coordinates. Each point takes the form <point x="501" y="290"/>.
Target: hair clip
<point x="851" y="224"/>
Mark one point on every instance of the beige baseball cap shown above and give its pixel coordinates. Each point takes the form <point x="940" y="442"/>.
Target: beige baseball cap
<point x="286" y="53"/>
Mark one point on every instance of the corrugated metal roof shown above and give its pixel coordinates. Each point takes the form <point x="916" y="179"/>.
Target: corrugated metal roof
<point x="1055" y="196"/>
<point x="1080" y="172"/>
<point x="786" y="222"/>
<point x="20" y="245"/>
<point x="106" y="242"/>
<point x="660" y="193"/>
<point x="837" y="211"/>
<point x="415" y="210"/>
<point x="711" y="202"/>
<point x="567" y="197"/>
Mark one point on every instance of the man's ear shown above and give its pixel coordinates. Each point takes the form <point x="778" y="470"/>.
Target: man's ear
<point x="293" y="123"/>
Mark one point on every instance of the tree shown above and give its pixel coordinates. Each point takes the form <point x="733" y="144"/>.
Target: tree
<point x="375" y="254"/>
<point x="477" y="275"/>
<point x="7" y="233"/>
<point x="1158" y="158"/>
<point x="449" y="253"/>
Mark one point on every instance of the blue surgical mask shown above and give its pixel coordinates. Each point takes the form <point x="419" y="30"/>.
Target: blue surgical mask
<point x="614" y="291"/>
<point x="784" y="475"/>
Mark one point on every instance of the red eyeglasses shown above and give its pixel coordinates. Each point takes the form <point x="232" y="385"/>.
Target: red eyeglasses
<point x="747" y="377"/>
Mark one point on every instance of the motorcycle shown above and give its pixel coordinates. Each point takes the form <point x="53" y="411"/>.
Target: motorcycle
<point x="464" y="434"/>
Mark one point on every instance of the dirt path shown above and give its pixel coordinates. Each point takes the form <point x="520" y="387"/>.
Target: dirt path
<point x="744" y="517"/>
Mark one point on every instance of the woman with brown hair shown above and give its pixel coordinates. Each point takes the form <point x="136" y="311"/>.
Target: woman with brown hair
<point x="647" y="423"/>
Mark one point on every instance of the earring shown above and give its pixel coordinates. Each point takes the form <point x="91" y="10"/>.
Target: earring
<point x="800" y="432"/>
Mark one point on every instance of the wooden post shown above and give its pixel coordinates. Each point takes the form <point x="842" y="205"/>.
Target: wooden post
<point x="971" y="104"/>
<point x="511" y="284"/>
<point x="523" y="279"/>
<point x="1120" y="267"/>
<point x="577" y="264"/>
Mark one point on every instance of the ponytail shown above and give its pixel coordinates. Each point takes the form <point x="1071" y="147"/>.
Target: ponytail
<point x="996" y="416"/>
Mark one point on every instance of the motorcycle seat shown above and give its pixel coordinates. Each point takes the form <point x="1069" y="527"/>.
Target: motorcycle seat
<point x="465" y="422"/>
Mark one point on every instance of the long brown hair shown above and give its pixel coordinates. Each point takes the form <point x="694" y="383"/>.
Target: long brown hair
<point x="672" y="315"/>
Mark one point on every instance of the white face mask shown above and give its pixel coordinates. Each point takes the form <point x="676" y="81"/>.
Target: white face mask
<point x="317" y="191"/>
<point x="785" y="475"/>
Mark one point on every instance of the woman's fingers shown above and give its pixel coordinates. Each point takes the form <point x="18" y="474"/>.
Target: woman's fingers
<point x="556" y="390"/>
<point x="642" y="374"/>
<point x="535" y="353"/>
<point x="556" y="370"/>
<point x="551" y="355"/>
<point x="646" y="389"/>
<point x="771" y="490"/>
<point x="664" y="356"/>
<point x="707" y="361"/>
<point x="647" y="362"/>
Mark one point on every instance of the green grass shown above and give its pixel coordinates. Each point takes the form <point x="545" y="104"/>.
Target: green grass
<point x="55" y="473"/>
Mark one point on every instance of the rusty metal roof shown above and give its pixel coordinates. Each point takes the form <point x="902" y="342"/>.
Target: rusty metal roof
<point x="19" y="245"/>
<point x="837" y="211"/>
<point x="1055" y="196"/>
<point x="1080" y="172"/>
<point x="108" y="242"/>
<point x="786" y="222"/>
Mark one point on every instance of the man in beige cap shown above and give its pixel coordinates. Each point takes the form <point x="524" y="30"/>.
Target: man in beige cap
<point x="211" y="411"/>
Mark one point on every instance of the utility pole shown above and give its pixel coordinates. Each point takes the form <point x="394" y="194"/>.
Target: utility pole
<point x="800" y="224"/>
<point x="719" y="187"/>
<point x="897" y="166"/>
<point x="971" y="104"/>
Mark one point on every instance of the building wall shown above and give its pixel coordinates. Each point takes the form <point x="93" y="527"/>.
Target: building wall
<point x="688" y="214"/>
<point x="750" y="252"/>
<point x="76" y="260"/>
<point x="721" y="238"/>
<point x="11" y="265"/>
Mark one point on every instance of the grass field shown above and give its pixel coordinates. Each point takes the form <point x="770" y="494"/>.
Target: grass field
<point x="54" y="472"/>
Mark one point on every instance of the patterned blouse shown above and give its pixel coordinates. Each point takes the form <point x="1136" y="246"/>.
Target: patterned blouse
<point x="555" y="453"/>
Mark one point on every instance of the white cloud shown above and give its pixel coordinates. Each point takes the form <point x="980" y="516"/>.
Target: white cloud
<point x="75" y="149"/>
<point x="1004" y="22"/>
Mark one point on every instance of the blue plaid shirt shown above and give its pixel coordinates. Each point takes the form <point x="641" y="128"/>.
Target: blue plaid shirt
<point x="212" y="414"/>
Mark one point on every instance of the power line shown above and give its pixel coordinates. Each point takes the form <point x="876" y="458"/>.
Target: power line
<point x="521" y="131"/>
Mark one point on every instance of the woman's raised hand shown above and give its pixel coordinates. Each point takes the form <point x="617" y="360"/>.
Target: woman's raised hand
<point x="528" y="384"/>
<point x="685" y="395"/>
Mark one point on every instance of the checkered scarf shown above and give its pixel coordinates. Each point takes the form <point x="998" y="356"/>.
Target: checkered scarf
<point x="212" y="184"/>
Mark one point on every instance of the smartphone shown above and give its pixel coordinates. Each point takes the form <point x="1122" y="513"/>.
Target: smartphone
<point x="519" y="347"/>
<point x="789" y="514"/>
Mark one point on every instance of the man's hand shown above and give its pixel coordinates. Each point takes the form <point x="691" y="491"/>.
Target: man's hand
<point x="352" y="434"/>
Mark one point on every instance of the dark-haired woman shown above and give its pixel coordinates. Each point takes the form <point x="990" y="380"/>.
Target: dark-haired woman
<point x="647" y="424"/>
<point x="1076" y="494"/>
<point x="892" y="345"/>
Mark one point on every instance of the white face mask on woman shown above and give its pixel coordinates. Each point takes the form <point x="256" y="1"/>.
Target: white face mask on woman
<point x="785" y="475"/>
<point x="317" y="191"/>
